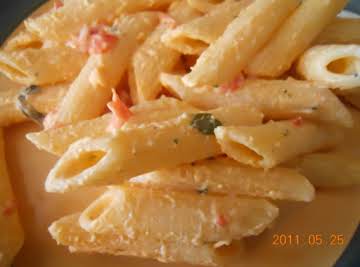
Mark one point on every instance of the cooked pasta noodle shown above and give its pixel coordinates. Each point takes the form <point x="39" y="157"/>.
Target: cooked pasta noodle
<point x="189" y="116"/>
<point x="137" y="150"/>
<point x="337" y="66"/>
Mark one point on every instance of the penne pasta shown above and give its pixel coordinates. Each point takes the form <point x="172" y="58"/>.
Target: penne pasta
<point x="337" y="66"/>
<point x="67" y="232"/>
<point x="242" y="39"/>
<point x="102" y="72"/>
<point x="177" y="216"/>
<point x="23" y="40"/>
<point x="289" y="98"/>
<point x="137" y="150"/>
<point x="340" y="31"/>
<point x="268" y="145"/>
<point x="191" y="117"/>
<point x="295" y="35"/>
<point x="41" y="66"/>
<point x="58" y="140"/>
<point x="195" y="36"/>
<point x="224" y="176"/>
<point x="11" y="232"/>
<point x="151" y="59"/>
<point x="333" y="169"/>
<point x="60" y="24"/>
<point x="182" y="12"/>
<point x="43" y="100"/>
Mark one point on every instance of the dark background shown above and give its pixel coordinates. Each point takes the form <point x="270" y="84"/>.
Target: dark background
<point x="12" y="12"/>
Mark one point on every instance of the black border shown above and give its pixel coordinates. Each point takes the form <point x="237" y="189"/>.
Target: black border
<point x="12" y="12"/>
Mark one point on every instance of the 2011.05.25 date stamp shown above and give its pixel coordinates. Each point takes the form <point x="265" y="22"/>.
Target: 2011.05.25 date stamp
<point x="312" y="240"/>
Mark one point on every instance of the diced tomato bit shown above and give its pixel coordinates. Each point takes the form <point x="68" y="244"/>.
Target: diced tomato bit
<point x="81" y="42"/>
<point x="120" y="112"/>
<point x="234" y="84"/>
<point x="101" y="43"/>
<point x="298" y="121"/>
<point x="167" y="20"/>
<point x="9" y="208"/>
<point x="58" y="4"/>
<point x="125" y="98"/>
<point x="221" y="220"/>
<point x="94" y="40"/>
<point x="165" y="93"/>
<point x="97" y="28"/>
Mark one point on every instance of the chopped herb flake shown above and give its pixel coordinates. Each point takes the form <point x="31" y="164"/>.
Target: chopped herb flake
<point x="298" y="121"/>
<point x="286" y="133"/>
<point x="203" y="191"/>
<point x="205" y="123"/>
<point x="315" y="108"/>
<point x="221" y="220"/>
<point x="286" y="92"/>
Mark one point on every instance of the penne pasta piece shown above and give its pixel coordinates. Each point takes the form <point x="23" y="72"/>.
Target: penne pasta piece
<point x="333" y="169"/>
<point x="43" y="101"/>
<point x="195" y="36"/>
<point x="137" y="150"/>
<point x="103" y="72"/>
<point x="225" y="176"/>
<point x="295" y="35"/>
<point x="41" y="66"/>
<point x="60" y="24"/>
<point x="203" y="6"/>
<point x="242" y="39"/>
<point x="11" y="232"/>
<point x="177" y="216"/>
<point x="268" y="145"/>
<point x="151" y="59"/>
<point x="289" y="98"/>
<point x="182" y="12"/>
<point x="23" y="40"/>
<point x="58" y="140"/>
<point x="340" y="31"/>
<point x="337" y="66"/>
<point x="67" y="232"/>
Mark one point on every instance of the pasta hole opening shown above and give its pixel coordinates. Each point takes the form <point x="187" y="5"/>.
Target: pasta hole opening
<point x="245" y="153"/>
<point x="36" y="44"/>
<point x="7" y="69"/>
<point x="84" y="161"/>
<point x="195" y="44"/>
<point x="98" y="208"/>
<point x="345" y="66"/>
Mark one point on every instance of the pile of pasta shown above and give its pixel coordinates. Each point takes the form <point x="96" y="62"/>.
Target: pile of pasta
<point x="194" y="115"/>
